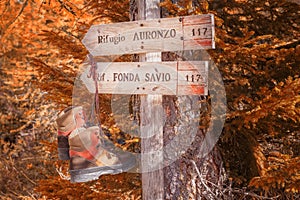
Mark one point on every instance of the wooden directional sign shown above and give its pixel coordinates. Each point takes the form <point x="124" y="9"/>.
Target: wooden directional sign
<point x="157" y="35"/>
<point x="165" y="78"/>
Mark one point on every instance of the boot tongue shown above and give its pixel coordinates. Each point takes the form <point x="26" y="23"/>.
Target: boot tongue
<point x="76" y="132"/>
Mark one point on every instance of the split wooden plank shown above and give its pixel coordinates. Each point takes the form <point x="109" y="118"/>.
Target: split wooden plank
<point x="151" y="117"/>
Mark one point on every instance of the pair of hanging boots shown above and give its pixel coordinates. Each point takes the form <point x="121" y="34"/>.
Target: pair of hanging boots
<point x="89" y="158"/>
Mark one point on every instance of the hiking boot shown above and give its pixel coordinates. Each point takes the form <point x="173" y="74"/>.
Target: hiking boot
<point x="67" y="121"/>
<point x="89" y="159"/>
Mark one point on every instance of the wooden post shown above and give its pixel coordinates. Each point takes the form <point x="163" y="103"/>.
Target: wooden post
<point x="151" y="121"/>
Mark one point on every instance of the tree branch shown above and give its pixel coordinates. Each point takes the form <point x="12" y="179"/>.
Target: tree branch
<point x="19" y="14"/>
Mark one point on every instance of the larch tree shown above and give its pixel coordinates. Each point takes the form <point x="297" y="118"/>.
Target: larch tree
<point x="193" y="167"/>
<point x="257" y="53"/>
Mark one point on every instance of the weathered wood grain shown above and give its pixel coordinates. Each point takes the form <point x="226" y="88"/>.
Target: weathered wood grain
<point x="151" y="121"/>
<point x="163" y="78"/>
<point x="151" y="35"/>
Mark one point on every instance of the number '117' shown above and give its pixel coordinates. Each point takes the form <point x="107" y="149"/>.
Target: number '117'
<point x="199" y="31"/>
<point x="194" y="78"/>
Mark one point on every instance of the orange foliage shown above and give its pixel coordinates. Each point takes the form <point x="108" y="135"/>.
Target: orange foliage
<point x="257" y="53"/>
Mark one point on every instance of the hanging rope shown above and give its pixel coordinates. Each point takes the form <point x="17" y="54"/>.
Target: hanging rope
<point x="93" y="75"/>
<point x="95" y="108"/>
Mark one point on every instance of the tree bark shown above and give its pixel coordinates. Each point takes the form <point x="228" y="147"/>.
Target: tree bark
<point x="194" y="175"/>
<point x="188" y="173"/>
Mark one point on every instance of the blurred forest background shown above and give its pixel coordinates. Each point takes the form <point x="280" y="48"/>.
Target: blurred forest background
<point x="257" y="52"/>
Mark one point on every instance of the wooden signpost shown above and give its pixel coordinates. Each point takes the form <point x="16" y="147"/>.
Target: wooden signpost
<point x="150" y="77"/>
<point x="151" y="120"/>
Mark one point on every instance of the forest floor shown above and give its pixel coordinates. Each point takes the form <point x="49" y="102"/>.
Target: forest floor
<point x="30" y="169"/>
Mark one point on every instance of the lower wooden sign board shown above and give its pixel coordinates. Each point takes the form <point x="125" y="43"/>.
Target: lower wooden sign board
<point x="164" y="78"/>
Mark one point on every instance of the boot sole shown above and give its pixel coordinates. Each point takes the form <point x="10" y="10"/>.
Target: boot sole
<point x="93" y="173"/>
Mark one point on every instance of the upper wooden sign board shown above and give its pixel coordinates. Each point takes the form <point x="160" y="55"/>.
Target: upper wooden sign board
<point x="157" y="35"/>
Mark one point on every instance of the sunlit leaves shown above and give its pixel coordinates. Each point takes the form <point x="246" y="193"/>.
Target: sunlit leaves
<point x="257" y="52"/>
<point x="282" y="173"/>
<point x="186" y="7"/>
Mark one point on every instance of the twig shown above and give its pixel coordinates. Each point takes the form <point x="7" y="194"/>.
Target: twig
<point x="13" y="192"/>
<point x="201" y="179"/>
<point x="7" y="4"/>
<point x="32" y="158"/>
<point x="31" y="181"/>
<point x="61" y="174"/>
<point x="255" y="195"/>
<point x="19" y="14"/>
<point x="32" y="196"/>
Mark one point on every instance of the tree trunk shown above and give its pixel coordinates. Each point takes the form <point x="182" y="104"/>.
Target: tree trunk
<point x="189" y="172"/>
<point x="192" y="175"/>
<point x="195" y="175"/>
<point x="198" y="173"/>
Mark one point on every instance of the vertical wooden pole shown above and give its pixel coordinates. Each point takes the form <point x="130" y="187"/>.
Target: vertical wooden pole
<point x="151" y="121"/>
